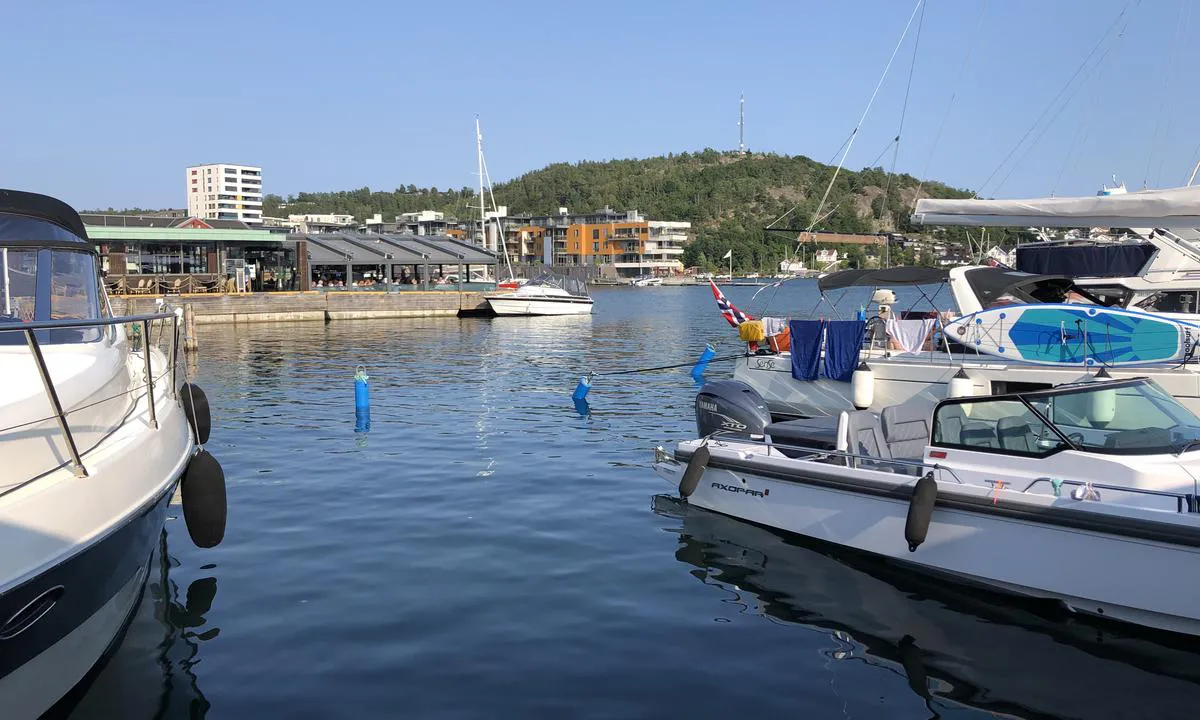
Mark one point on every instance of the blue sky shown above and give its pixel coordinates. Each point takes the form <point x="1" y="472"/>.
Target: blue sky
<point x="105" y="104"/>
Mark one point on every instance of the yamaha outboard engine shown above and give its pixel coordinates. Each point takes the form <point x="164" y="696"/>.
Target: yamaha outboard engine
<point x="731" y="407"/>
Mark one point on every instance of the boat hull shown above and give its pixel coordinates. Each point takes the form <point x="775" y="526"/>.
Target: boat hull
<point x="78" y="553"/>
<point x="999" y="550"/>
<point x="540" y="306"/>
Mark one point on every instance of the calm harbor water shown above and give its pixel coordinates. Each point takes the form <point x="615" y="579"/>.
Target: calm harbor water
<point x="488" y="550"/>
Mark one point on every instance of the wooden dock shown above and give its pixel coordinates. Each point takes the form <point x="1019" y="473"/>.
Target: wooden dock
<point x="311" y="306"/>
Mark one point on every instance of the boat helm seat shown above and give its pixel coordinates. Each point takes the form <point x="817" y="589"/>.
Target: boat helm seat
<point x="1014" y="433"/>
<point x="950" y="421"/>
<point x="906" y="430"/>
<point x="864" y="438"/>
<point x="978" y="434"/>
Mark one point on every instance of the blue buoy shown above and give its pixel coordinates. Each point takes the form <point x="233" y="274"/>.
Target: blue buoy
<point x="702" y="364"/>
<point x="362" y="394"/>
<point x="581" y="390"/>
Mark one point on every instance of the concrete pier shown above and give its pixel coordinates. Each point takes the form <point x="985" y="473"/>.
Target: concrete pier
<point x="311" y="306"/>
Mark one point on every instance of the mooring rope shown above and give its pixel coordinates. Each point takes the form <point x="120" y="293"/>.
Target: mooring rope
<point x="691" y="363"/>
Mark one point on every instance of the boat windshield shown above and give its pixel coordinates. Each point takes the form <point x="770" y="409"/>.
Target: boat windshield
<point x="569" y="284"/>
<point x="48" y="284"/>
<point x="1131" y="417"/>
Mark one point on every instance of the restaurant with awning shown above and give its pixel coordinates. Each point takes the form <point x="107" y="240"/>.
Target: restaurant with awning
<point x="346" y="259"/>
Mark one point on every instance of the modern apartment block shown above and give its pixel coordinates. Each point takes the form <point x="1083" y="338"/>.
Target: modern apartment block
<point x="224" y="191"/>
<point x="626" y="241"/>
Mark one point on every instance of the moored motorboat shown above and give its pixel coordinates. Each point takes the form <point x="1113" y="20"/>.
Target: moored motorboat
<point x="546" y="294"/>
<point x="1082" y="339"/>
<point x="96" y="435"/>
<point x="1085" y="494"/>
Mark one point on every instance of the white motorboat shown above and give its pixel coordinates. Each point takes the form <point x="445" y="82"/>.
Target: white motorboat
<point x="546" y="294"/>
<point x="95" y="437"/>
<point x="647" y="281"/>
<point x="1156" y="269"/>
<point x="943" y="367"/>
<point x="1083" y="494"/>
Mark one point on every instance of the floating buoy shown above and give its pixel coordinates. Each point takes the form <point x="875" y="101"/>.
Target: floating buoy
<point x="960" y="385"/>
<point x="702" y="364"/>
<point x="195" y="409"/>
<point x="920" y="511"/>
<point x="362" y="391"/>
<point x="581" y="390"/>
<point x="203" y="494"/>
<point x="862" y="386"/>
<point x="694" y="471"/>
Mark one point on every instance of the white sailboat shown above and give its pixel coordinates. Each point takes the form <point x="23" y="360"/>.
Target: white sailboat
<point x="547" y="294"/>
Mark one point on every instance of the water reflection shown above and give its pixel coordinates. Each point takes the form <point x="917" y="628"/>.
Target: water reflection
<point x="954" y="646"/>
<point x="152" y="675"/>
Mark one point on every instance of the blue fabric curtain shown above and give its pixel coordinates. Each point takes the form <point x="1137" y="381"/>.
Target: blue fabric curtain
<point x="843" y="342"/>
<point x="806" y="347"/>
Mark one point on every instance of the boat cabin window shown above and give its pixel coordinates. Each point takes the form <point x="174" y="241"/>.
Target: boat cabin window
<point x="1172" y="302"/>
<point x="49" y="284"/>
<point x="1006" y="426"/>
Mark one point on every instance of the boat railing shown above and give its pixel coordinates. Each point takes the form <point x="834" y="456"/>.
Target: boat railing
<point x="1184" y="502"/>
<point x="824" y="453"/>
<point x="143" y="322"/>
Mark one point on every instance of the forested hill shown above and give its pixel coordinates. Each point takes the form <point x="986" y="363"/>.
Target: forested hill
<point x="728" y="198"/>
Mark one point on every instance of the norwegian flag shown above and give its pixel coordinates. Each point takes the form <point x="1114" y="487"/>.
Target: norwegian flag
<point x="732" y="314"/>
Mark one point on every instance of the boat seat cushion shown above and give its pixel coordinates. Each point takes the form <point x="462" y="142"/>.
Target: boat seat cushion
<point x="864" y="436"/>
<point x="906" y="430"/>
<point x="1014" y="433"/>
<point x="819" y="432"/>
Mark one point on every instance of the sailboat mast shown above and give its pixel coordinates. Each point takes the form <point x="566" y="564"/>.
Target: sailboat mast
<point x="483" y="241"/>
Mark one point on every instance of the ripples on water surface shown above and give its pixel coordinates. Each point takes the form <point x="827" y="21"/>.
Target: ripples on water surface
<point x="486" y="550"/>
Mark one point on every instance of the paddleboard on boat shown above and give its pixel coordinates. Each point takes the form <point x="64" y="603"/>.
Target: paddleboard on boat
<point x="1065" y="334"/>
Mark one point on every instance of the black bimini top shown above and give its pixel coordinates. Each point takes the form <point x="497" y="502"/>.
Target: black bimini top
<point x="32" y="219"/>
<point x="883" y="276"/>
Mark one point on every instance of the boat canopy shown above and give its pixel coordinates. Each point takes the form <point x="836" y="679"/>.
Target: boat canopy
<point x="884" y="276"/>
<point x="31" y="219"/>
<point x="1091" y="260"/>
<point x="990" y="284"/>
<point x="1173" y="207"/>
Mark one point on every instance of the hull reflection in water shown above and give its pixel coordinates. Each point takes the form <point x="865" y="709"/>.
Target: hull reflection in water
<point x="151" y="675"/>
<point x="956" y="646"/>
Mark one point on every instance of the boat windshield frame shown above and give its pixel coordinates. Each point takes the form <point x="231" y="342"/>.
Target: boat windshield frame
<point x="1031" y="400"/>
<point x="566" y="284"/>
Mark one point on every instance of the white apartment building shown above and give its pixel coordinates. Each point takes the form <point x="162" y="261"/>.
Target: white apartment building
<point x="664" y="247"/>
<point x="225" y="192"/>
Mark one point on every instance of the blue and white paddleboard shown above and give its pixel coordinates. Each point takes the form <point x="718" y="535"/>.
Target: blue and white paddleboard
<point x="1063" y="334"/>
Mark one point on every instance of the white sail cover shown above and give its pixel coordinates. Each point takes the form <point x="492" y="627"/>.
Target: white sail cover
<point x="1171" y="208"/>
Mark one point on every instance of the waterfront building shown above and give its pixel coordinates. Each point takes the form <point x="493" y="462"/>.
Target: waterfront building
<point x="617" y="243"/>
<point x="150" y="255"/>
<point x="225" y="191"/>
<point x="312" y="223"/>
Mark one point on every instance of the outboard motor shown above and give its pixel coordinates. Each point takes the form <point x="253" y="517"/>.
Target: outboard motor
<point x="732" y="407"/>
